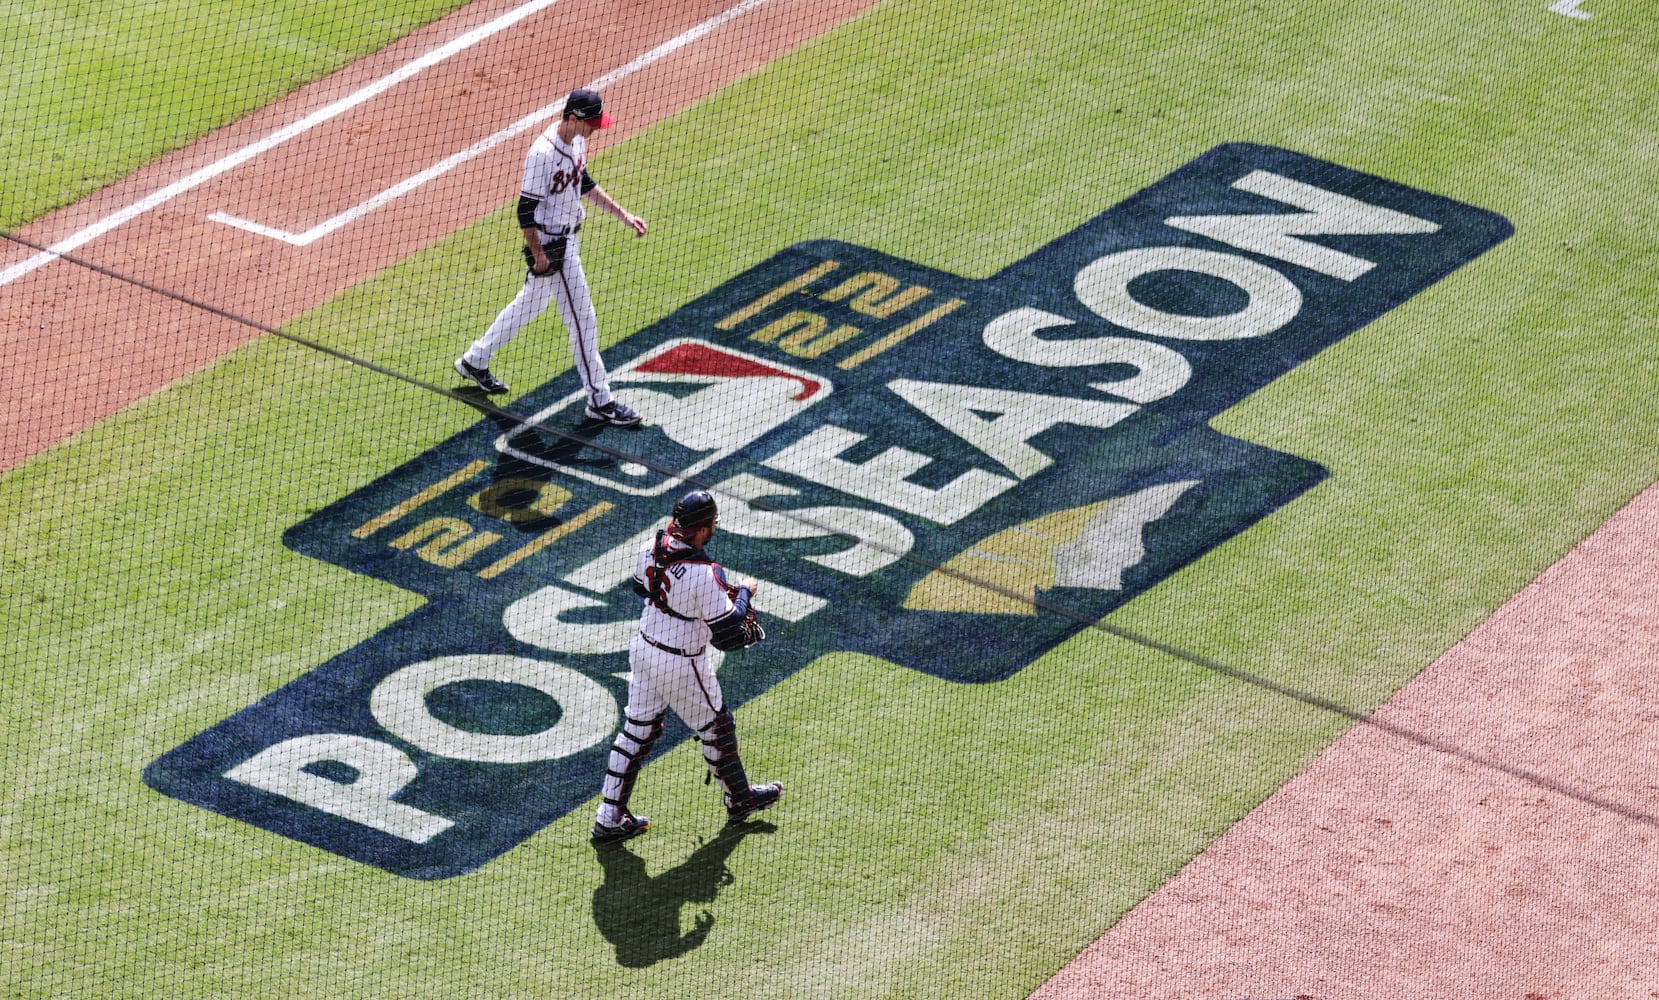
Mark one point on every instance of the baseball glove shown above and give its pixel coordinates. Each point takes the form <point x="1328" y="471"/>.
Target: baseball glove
<point x="733" y="633"/>
<point x="555" y="251"/>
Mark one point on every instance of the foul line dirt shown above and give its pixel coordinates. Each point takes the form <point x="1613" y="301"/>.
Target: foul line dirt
<point x="83" y="345"/>
<point x="1392" y="870"/>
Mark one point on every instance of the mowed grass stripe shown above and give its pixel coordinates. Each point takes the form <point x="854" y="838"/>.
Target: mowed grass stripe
<point x="938" y="840"/>
<point x="96" y="90"/>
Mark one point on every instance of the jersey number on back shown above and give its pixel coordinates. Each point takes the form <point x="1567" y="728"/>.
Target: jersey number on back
<point x="660" y="580"/>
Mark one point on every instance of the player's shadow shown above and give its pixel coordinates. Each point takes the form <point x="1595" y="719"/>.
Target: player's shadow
<point x="545" y="444"/>
<point x="639" y="914"/>
<point x="561" y="446"/>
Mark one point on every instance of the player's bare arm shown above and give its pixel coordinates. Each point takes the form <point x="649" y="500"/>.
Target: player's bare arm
<point x="598" y="196"/>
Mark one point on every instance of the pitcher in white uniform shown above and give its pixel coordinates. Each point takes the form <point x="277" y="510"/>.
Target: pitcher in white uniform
<point x="550" y="212"/>
<point x="689" y="606"/>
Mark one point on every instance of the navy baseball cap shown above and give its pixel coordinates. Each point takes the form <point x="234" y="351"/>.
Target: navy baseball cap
<point x="588" y="106"/>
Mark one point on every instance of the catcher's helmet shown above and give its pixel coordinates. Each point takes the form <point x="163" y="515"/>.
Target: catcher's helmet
<point x="695" y="510"/>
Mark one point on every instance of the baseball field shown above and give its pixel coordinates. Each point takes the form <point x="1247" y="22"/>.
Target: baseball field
<point x="1153" y="427"/>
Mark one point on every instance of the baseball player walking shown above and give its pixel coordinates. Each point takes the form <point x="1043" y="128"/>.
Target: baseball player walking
<point x="689" y="605"/>
<point x="550" y="213"/>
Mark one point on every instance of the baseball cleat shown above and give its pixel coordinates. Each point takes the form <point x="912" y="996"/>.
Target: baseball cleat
<point x="487" y="382"/>
<point x="631" y="826"/>
<point x="614" y="413"/>
<point x="759" y="797"/>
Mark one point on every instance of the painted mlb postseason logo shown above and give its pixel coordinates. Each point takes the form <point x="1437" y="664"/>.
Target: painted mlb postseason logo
<point x="864" y="420"/>
<point x="705" y="403"/>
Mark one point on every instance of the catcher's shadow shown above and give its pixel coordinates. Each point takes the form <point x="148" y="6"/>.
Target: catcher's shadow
<point x="639" y="914"/>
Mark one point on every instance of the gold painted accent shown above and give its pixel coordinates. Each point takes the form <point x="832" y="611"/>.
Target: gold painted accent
<point x="789" y="287"/>
<point x="805" y="344"/>
<point x="1016" y="560"/>
<point x="374" y="524"/>
<point x="549" y="498"/>
<point x="809" y="324"/>
<point x="877" y="298"/>
<point x="543" y="540"/>
<point x="444" y="541"/>
<point x="873" y="284"/>
<point x="887" y="307"/>
<point x="919" y="323"/>
<point x="806" y="337"/>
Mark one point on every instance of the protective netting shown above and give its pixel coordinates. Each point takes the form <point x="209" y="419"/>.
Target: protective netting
<point x="1106" y="409"/>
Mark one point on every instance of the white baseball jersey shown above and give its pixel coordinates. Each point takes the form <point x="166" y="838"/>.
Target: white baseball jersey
<point x="695" y="591"/>
<point x="556" y="172"/>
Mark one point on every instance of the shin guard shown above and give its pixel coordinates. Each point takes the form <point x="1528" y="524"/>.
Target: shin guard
<point x="720" y="751"/>
<point x="628" y="753"/>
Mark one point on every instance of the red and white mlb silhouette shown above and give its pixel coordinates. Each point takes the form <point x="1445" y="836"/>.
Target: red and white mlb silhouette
<point x="701" y="403"/>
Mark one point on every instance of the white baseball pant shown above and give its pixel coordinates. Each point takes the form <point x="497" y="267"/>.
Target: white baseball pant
<point x="569" y="288"/>
<point x="660" y="680"/>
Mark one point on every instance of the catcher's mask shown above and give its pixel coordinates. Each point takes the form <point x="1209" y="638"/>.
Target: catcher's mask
<point x="695" y="510"/>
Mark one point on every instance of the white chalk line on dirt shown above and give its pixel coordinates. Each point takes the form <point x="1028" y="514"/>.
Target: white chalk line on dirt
<point x="482" y="146"/>
<point x="280" y="136"/>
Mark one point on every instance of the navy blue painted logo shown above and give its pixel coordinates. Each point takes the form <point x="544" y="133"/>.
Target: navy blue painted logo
<point x="955" y="475"/>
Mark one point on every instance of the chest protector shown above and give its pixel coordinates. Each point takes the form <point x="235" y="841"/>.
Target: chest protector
<point x="662" y="557"/>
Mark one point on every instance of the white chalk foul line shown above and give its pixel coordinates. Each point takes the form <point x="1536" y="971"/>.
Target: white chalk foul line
<point x="484" y="145"/>
<point x="1569" y="8"/>
<point x="276" y="138"/>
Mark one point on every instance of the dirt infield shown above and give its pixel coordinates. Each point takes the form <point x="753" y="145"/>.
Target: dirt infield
<point x="1522" y="867"/>
<point x="94" y="343"/>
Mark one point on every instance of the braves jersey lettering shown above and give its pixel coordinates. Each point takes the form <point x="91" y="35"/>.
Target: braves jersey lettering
<point x="563" y="179"/>
<point x="553" y="173"/>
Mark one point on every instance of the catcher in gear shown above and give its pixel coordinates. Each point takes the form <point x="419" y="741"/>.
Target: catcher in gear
<point x="689" y="606"/>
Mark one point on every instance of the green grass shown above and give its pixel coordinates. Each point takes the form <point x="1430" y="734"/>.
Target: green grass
<point x="97" y="89"/>
<point x="938" y="840"/>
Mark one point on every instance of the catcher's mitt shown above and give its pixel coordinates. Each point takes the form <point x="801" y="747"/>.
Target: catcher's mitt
<point x="752" y="629"/>
<point x="737" y="633"/>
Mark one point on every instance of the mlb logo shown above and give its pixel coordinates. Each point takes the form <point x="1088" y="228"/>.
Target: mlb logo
<point x="701" y="403"/>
